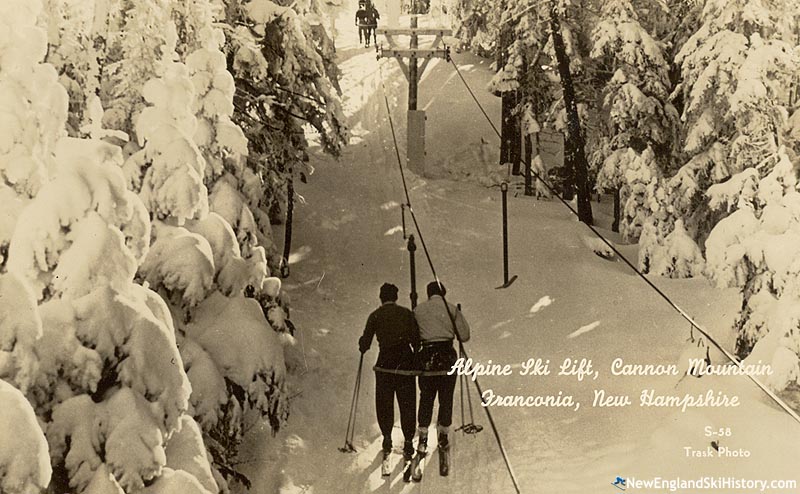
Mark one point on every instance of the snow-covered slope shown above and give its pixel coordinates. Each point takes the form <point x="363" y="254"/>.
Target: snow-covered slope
<point x="567" y="303"/>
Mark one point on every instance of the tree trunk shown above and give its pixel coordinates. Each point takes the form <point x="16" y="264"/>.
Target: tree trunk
<point x="515" y="137"/>
<point x="574" y="153"/>
<point x="507" y="99"/>
<point x="287" y="238"/>
<point x="617" y="212"/>
<point x="528" y="174"/>
<point x="506" y="129"/>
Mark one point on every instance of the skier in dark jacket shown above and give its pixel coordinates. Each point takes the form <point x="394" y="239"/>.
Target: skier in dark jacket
<point x="397" y="335"/>
<point x="372" y="22"/>
<point x="436" y="354"/>
<point x="362" y="22"/>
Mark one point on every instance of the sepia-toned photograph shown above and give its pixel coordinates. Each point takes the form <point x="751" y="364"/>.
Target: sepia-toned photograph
<point x="399" y="246"/>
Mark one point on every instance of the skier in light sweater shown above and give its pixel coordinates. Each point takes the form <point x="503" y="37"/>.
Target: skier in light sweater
<point x="436" y="354"/>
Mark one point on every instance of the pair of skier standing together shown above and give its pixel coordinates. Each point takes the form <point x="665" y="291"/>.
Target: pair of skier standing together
<point x="418" y="342"/>
<point x="367" y="21"/>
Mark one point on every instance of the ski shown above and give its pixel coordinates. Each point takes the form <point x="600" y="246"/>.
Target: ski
<point x="444" y="461"/>
<point x="417" y="467"/>
<point x="386" y="467"/>
<point x="407" y="470"/>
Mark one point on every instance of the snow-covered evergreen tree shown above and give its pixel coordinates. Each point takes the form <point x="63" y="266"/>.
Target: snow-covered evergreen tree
<point x="83" y="356"/>
<point x="736" y="71"/>
<point x="195" y="260"/>
<point x="475" y="25"/>
<point x="757" y="248"/>
<point x="101" y="346"/>
<point x="286" y="83"/>
<point x="635" y="176"/>
<point x="636" y="116"/>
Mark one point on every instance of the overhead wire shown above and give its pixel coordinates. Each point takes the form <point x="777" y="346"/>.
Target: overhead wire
<point x="451" y="316"/>
<point x="782" y="404"/>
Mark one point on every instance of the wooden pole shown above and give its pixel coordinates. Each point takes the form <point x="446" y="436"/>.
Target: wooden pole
<point x="504" y="190"/>
<point x="413" y="79"/>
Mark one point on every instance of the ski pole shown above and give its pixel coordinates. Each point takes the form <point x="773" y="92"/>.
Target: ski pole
<point x="351" y="420"/>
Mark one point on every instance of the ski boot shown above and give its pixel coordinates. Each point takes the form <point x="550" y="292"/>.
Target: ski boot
<point x="418" y="462"/>
<point x="444" y="455"/>
<point x="386" y="467"/>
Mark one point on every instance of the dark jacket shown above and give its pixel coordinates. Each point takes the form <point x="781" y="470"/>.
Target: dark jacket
<point x="362" y="17"/>
<point x="372" y="16"/>
<point x="397" y="334"/>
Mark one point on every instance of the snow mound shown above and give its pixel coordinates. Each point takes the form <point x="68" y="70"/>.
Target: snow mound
<point x="176" y="482"/>
<point x="245" y="349"/>
<point x="20" y="327"/>
<point x="596" y="245"/>
<point x="181" y="262"/>
<point x="209" y="392"/>
<point x="232" y="272"/>
<point x="541" y="304"/>
<point x="24" y="459"/>
<point x="122" y="429"/>
<point x="186" y="452"/>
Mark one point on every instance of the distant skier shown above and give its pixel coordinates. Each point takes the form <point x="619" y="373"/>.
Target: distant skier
<point x="362" y="21"/>
<point x="372" y="22"/>
<point x="397" y="335"/>
<point x="436" y="353"/>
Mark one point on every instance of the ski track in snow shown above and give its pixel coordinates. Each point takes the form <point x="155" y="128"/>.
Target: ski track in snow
<point x="584" y="329"/>
<point x="299" y="254"/>
<point x="501" y="324"/>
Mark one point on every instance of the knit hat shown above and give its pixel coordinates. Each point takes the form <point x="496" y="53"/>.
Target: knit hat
<point x="388" y="292"/>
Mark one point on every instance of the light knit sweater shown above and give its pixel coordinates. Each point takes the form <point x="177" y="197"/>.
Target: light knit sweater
<point x="434" y="322"/>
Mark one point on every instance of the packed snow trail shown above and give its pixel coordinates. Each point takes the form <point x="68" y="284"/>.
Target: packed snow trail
<point x="347" y="244"/>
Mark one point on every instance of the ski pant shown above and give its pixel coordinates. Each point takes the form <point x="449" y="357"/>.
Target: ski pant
<point x="364" y="32"/>
<point x="429" y="388"/>
<point x="386" y="387"/>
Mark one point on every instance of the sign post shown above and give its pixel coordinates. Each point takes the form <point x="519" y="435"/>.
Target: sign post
<point x="506" y="280"/>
